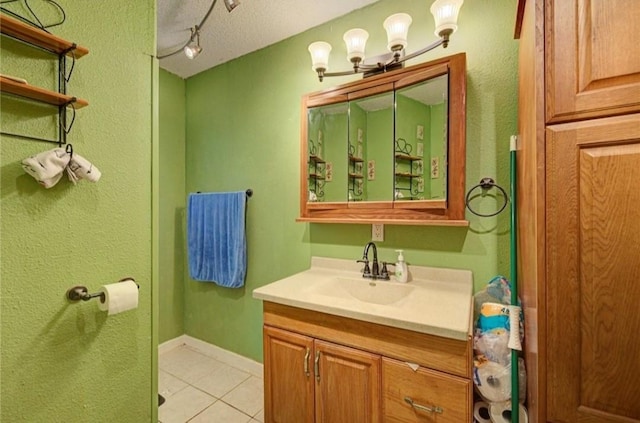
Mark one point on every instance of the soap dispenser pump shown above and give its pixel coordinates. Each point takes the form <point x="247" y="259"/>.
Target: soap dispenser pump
<point x="401" y="268"/>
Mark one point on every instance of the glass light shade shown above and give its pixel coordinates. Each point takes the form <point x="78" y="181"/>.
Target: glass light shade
<point x="397" y="27"/>
<point x="192" y="50"/>
<point x="320" y="55"/>
<point x="445" y="13"/>
<point x="355" y="39"/>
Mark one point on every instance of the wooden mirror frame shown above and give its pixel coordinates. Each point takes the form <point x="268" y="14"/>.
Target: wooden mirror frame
<point x="448" y="212"/>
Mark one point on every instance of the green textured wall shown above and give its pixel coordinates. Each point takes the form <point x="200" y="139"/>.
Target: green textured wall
<point x="243" y="132"/>
<point x="172" y="205"/>
<point x="63" y="362"/>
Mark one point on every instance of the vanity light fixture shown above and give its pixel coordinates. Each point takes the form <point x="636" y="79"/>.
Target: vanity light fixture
<point x="445" y="14"/>
<point x="193" y="49"/>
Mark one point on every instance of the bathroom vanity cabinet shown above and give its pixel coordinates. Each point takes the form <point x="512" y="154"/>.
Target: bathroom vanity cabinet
<point x="321" y="367"/>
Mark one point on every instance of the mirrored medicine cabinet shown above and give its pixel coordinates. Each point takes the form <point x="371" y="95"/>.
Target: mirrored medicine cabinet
<point x="387" y="149"/>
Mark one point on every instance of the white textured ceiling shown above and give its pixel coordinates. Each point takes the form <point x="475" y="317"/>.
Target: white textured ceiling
<point x="252" y="25"/>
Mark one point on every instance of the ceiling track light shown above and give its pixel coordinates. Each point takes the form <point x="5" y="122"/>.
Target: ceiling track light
<point x="192" y="47"/>
<point x="445" y="14"/>
<point x="231" y="4"/>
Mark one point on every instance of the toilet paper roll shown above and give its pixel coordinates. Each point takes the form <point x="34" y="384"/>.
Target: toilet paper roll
<point x="493" y="381"/>
<point x="119" y="297"/>
<point x="481" y="412"/>
<point x="500" y="412"/>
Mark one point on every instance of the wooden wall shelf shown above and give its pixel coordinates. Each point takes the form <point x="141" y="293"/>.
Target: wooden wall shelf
<point x="40" y="94"/>
<point x="37" y="37"/>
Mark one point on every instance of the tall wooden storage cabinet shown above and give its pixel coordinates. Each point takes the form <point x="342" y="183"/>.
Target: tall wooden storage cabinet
<point x="579" y="207"/>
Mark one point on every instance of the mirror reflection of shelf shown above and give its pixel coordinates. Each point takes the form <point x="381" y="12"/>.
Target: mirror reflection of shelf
<point x="402" y="156"/>
<point x="316" y="177"/>
<point x="355" y="178"/>
<point x="407" y="175"/>
<point x="315" y="159"/>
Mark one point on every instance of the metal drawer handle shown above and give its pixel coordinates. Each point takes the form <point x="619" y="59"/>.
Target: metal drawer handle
<point x="434" y="409"/>
<point x="306" y="362"/>
<point x="316" y="366"/>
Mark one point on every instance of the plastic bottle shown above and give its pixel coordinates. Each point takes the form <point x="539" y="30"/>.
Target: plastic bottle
<point x="401" y="268"/>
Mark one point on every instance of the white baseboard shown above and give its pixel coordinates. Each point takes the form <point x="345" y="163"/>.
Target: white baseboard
<point x="230" y="358"/>
<point x="171" y="344"/>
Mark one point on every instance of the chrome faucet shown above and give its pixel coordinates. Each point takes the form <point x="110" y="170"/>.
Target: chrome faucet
<point x="374" y="272"/>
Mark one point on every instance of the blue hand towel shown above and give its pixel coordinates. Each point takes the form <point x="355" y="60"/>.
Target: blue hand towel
<point x="216" y="237"/>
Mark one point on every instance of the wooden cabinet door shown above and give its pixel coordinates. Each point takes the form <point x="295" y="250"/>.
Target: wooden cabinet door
<point x="593" y="271"/>
<point x="288" y="377"/>
<point x="347" y="385"/>
<point x="593" y="58"/>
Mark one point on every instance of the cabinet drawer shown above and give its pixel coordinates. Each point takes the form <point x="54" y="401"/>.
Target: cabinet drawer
<point x="428" y="388"/>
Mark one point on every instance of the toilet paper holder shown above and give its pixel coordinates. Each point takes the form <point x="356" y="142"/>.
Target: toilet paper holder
<point x="81" y="292"/>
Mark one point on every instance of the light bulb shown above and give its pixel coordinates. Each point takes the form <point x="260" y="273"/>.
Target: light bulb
<point x="192" y="51"/>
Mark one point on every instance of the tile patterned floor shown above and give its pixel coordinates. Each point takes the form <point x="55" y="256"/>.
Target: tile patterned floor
<point x="200" y="389"/>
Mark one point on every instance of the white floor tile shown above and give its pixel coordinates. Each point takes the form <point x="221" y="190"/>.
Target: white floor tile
<point x="191" y="381"/>
<point x="187" y="365"/>
<point x="247" y="397"/>
<point x="184" y="405"/>
<point x="168" y="384"/>
<point x="221" y="412"/>
<point x="259" y="417"/>
<point x="221" y="380"/>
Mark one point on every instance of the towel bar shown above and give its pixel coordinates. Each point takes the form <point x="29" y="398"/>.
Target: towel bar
<point x="249" y="192"/>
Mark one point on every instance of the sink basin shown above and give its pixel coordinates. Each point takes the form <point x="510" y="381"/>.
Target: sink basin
<point x="435" y="301"/>
<point x="365" y="290"/>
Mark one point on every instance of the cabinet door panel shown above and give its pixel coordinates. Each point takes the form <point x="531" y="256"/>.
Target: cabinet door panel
<point x="593" y="274"/>
<point x="448" y="397"/>
<point x="348" y="389"/>
<point x="288" y="388"/>
<point x="592" y="58"/>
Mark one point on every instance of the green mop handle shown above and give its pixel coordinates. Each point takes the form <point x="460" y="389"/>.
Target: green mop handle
<point x="515" y="393"/>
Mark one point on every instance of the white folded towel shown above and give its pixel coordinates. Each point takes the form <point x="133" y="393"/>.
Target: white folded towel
<point x="81" y="168"/>
<point x="47" y="167"/>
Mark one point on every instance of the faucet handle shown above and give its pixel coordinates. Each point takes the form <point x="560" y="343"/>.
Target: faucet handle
<point x="366" y="271"/>
<point x="384" y="273"/>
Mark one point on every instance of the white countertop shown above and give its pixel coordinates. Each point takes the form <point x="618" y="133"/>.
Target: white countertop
<point x="435" y="301"/>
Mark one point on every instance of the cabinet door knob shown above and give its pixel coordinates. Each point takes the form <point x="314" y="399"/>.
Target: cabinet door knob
<point x="316" y="366"/>
<point x="306" y="362"/>
<point x="433" y="409"/>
